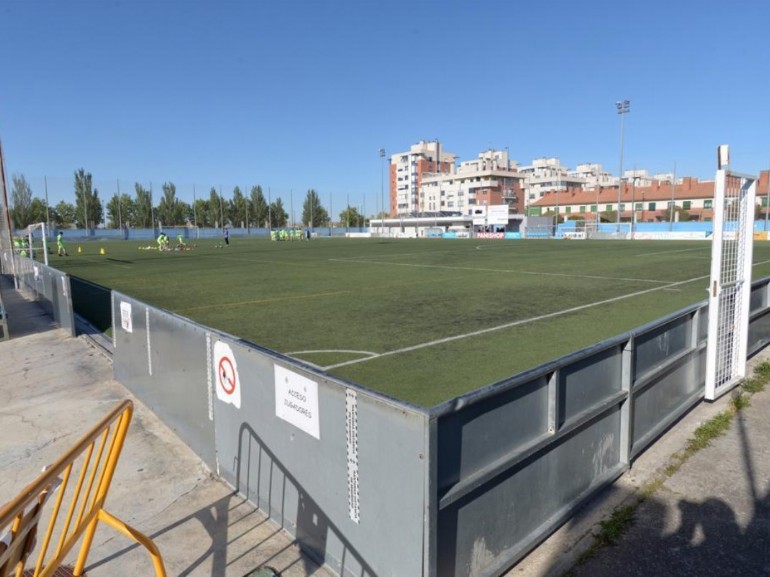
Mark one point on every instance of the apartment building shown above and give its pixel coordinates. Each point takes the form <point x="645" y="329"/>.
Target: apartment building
<point x="407" y="170"/>
<point x="548" y="174"/>
<point x="490" y="179"/>
<point x="592" y="175"/>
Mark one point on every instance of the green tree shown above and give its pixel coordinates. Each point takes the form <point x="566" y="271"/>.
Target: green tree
<point x="170" y="210"/>
<point x="313" y="213"/>
<point x="120" y="208"/>
<point x="350" y="217"/>
<point x="21" y="197"/>
<point x="185" y="209"/>
<point x="202" y="213"/>
<point x="63" y="214"/>
<point x="258" y="209"/>
<point x="238" y="208"/>
<point x="278" y="216"/>
<point x="39" y="211"/>
<point x="141" y="213"/>
<point x="89" y="211"/>
<point x="216" y="209"/>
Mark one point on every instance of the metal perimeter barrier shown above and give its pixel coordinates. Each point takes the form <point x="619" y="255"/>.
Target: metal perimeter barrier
<point x="91" y="462"/>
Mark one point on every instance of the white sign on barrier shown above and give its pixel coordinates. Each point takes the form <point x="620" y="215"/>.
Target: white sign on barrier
<point x="296" y="401"/>
<point x="125" y="317"/>
<point x="225" y="368"/>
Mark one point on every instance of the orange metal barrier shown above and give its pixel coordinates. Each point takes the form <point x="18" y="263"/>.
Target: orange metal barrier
<point x="91" y="463"/>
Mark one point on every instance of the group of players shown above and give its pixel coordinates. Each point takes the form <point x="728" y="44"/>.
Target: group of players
<point x="164" y="242"/>
<point x="289" y="234"/>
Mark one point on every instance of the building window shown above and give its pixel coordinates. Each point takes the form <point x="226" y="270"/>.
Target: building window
<point x="651" y="206"/>
<point x="608" y="208"/>
<point x="568" y="210"/>
<point x="582" y="209"/>
<point x="707" y="203"/>
<point x="638" y="206"/>
<point x="686" y="204"/>
<point x="594" y="208"/>
<point x="622" y="207"/>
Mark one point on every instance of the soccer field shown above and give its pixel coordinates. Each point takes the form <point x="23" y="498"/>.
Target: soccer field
<point x="422" y="320"/>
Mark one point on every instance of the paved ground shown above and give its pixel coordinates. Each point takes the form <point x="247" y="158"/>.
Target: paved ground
<point x="710" y="518"/>
<point x="52" y="389"/>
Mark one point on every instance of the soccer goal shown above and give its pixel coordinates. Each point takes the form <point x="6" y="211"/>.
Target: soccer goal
<point x="607" y="230"/>
<point x="37" y="242"/>
<point x="730" y="286"/>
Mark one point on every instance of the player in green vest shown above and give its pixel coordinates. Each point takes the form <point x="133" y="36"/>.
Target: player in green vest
<point x="60" y="244"/>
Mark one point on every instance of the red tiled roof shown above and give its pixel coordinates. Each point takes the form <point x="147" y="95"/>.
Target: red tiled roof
<point x="689" y="189"/>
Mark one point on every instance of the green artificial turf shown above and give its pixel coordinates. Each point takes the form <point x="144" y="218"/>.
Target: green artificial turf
<point x="333" y="300"/>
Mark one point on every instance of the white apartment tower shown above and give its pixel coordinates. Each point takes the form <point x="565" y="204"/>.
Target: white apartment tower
<point x="407" y="170"/>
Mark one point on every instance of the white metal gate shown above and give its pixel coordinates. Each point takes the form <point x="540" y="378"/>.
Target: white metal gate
<point x="730" y="286"/>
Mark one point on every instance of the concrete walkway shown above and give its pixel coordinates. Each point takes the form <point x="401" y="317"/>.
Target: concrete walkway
<point x="53" y="388"/>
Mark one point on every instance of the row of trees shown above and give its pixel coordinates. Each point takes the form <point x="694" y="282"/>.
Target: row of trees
<point x="138" y="211"/>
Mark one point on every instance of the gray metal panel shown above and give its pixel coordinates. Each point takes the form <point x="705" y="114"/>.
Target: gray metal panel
<point x="758" y="299"/>
<point x="665" y="397"/>
<point x="57" y="291"/>
<point x="172" y="380"/>
<point x="657" y="345"/>
<point x="51" y="288"/>
<point x="759" y="331"/>
<point x="479" y="435"/>
<point x="587" y="381"/>
<point x="492" y="527"/>
<point x="302" y="481"/>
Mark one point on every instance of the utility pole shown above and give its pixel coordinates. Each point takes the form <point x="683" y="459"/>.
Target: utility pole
<point x="120" y="216"/>
<point x="623" y="108"/>
<point x="767" y="201"/>
<point x="671" y="210"/>
<point x="382" y="191"/>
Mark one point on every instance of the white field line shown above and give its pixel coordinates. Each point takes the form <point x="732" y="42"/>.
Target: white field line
<point x="367" y="353"/>
<point x="515" y="323"/>
<point x="499" y="270"/>
<point x="522" y="322"/>
<point x="673" y="251"/>
<point x="493" y="247"/>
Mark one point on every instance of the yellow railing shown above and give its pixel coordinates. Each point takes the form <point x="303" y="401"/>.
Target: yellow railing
<point x="91" y="464"/>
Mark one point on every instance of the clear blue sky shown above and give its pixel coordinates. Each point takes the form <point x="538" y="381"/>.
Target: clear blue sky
<point x="295" y="94"/>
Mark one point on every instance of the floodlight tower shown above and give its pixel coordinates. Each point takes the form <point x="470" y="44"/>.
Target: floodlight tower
<point x="382" y="191"/>
<point x="623" y="107"/>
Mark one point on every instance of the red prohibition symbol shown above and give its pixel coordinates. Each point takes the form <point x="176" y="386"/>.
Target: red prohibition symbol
<point x="227" y="375"/>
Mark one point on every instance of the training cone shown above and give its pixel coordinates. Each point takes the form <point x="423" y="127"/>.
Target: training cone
<point x="80" y="249"/>
<point x="102" y="251"/>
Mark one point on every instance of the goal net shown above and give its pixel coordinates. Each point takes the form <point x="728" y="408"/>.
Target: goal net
<point x="607" y="230"/>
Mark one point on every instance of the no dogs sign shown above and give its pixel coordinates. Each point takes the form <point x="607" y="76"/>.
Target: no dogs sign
<point x="226" y="380"/>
